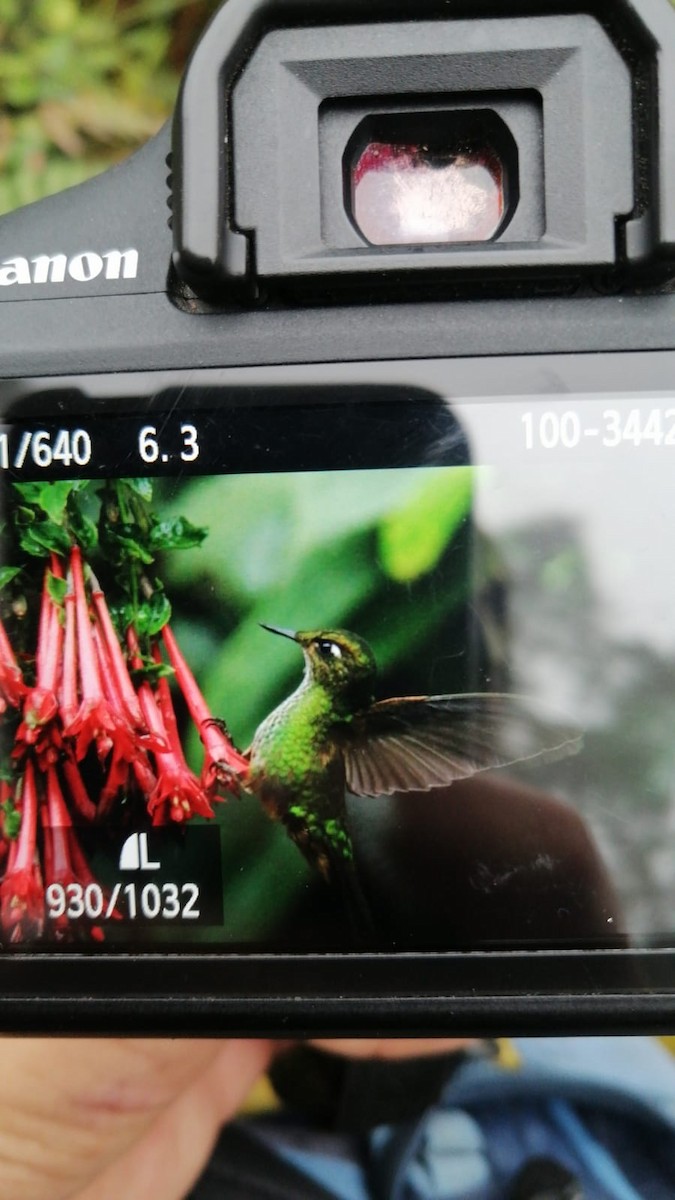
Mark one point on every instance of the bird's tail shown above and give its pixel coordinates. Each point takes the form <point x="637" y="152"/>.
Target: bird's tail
<point x="343" y="876"/>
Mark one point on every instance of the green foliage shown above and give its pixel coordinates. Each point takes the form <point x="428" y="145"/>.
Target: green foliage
<point x="82" y="83"/>
<point x="49" y="514"/>
<point x="413" y="537"/>
<point x="148" y="616"/>
<point x="316" y="549"/>
<point x="11" y="820"/>
<point x="176" y="534"/>
<point x="117" y="523"/>
<point x="57" y="588"/>
<point x="360" y="550"/>
<point x="7" y="574"/>
<point x="386" y="553"/>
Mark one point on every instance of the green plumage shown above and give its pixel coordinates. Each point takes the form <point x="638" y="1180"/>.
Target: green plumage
<point x="330" y="737"/>
<point x="297" y="771"/>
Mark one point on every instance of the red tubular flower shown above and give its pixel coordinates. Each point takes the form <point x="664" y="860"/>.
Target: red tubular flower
<point x="21" y="890"/>
<point x="64" y="862"/>
<point x="178" y="794"/>
<point x="39" y="727"/>
<point x="223" y="764"/>
<point x="92" y="722"/>
<point x="77" y="792"/>
<point x="165" y="705"/>
<point x="121" y="767"/>
<point x="128" y="747"/>
<point x="12" y="686"/>
<point x="11" y="856"/>
<point x="144" y="775"/>
<point x="81" y="867"/>
<point x="113" y="653"/>
<point x="56" y="824"/>
<point x="97" y="721"/>
<point x="69" y="703"/>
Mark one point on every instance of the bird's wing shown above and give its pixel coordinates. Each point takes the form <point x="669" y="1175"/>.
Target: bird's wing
<point x="420" y="742"/>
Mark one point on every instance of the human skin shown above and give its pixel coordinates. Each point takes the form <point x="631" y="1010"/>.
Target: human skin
<point x="83" y="1119"/>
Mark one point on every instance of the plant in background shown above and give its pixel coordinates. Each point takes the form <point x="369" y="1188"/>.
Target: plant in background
<point x="83" y="83"/>
<point x="90" y="729"/>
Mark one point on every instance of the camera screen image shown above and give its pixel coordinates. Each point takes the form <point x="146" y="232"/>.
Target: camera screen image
<point x="303" y="671"/>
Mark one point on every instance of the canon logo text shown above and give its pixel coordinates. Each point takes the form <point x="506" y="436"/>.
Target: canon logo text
<point x="56" y="268"/>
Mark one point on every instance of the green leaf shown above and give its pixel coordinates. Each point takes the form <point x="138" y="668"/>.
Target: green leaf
<point x="57" y="588"/>
<point x="266" y="525"/>
<point x="133" y="549"/>
<point x="176" y="534"/>
<point x="11" y="820"/>
<point x="51" y="498"/>
<point x="54" y="499"/>
<point x="30" y="492"/>
<point x="142" y="488"/>
<point x="413" y="538"/>
<point x="159" y="612"/>
<point x="7" y="574"/>
<point x="44" y="536"/>
<point x="82" y="527"/>
<point x="151" y="671"/>
<point x="152" y="615"/>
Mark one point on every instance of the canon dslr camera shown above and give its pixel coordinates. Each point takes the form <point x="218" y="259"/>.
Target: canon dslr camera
<point x="337" y="608"/>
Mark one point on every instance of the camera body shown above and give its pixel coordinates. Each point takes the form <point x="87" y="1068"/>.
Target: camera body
<point x="428" y="259"/>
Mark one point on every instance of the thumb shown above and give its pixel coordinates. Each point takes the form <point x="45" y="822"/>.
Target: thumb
<point x="71" y="1108"/>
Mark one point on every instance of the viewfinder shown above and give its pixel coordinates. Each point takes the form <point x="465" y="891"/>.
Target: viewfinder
<point x="433" y="179"/>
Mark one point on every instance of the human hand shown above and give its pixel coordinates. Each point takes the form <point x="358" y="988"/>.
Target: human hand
<point x="84" y="1119"/>
<point x="392" y="1048"/>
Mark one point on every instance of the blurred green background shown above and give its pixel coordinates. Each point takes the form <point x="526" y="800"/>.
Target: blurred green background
<point x="342" y="549"/>
<point x="85" y="82"/>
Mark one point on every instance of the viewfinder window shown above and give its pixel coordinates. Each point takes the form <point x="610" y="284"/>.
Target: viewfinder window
<point x="436" y="178"/>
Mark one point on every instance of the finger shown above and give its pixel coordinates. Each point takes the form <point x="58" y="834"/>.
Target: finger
<point x="391" y="1048"/>
<point x="169" y="1157"/>
<point x="69" y="1107"/>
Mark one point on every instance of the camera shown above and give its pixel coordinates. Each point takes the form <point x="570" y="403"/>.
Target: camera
<point x="337" y="652"/>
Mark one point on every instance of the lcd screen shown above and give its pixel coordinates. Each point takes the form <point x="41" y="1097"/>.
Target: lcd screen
<point x="360" y="670"/>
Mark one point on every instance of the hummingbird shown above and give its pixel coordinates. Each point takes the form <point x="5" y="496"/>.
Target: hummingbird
<point x="331" y="737"/>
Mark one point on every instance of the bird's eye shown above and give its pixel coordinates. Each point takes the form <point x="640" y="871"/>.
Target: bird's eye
<point x="329" y="649"/>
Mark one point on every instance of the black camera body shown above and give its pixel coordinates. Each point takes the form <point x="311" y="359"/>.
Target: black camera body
<point x="390" y="311"/>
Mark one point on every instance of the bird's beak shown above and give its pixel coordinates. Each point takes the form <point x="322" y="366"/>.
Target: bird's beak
<point x="287" y="633"/>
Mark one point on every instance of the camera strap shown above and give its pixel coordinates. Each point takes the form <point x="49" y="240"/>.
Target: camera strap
<point x="243" y="1167"/>
<point x="353" y="1096"/>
